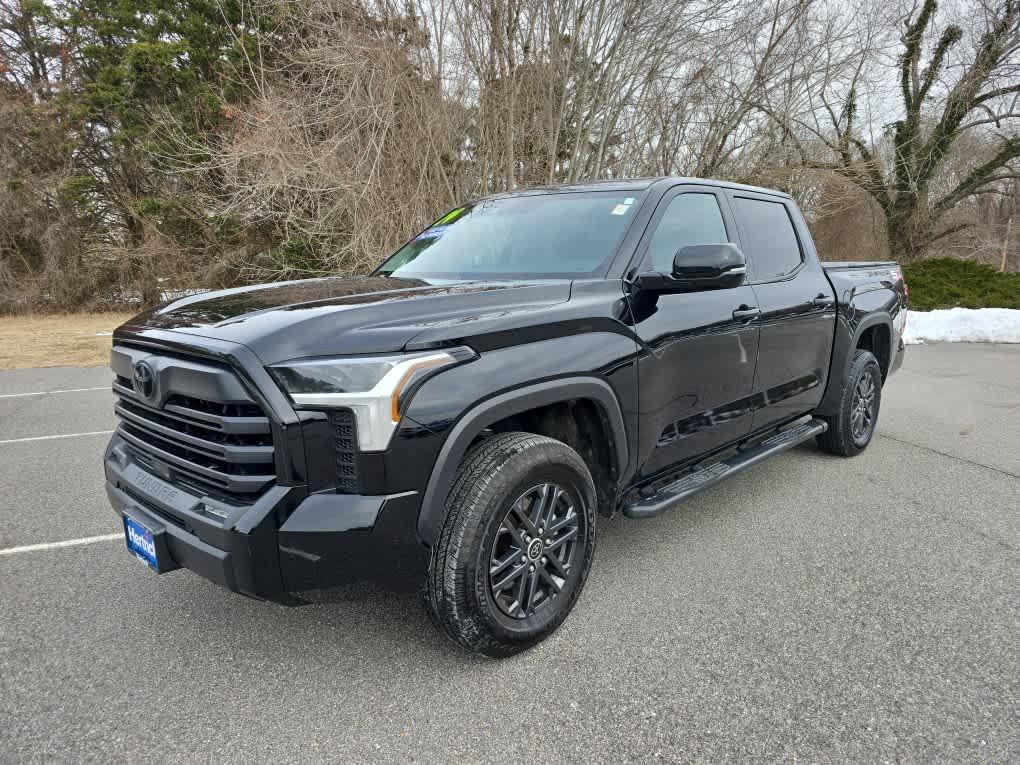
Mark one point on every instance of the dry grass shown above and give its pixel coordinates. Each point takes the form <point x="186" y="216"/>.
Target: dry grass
<point x="58" y="340"/>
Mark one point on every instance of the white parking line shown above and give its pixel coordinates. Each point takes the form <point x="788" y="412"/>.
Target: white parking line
<point x="48" y="392"/>
<point x="62" y="435"/>
<point x="58" y="545"/>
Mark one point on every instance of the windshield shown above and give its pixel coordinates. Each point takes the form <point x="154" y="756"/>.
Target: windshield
<point x="536" y="236"/>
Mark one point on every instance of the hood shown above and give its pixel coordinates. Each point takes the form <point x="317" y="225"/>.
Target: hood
<point x="332" y="316"/>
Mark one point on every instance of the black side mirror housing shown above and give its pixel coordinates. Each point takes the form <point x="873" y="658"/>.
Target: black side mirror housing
<point x="700" y="267"/>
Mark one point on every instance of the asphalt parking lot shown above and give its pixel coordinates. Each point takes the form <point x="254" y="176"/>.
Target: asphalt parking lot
<point x="812" y="608"/>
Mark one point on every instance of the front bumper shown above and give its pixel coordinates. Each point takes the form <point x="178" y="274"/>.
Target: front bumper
<point x="286" y="541"/>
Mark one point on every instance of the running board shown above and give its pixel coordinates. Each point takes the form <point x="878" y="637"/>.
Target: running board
<point x="691" y="483"/>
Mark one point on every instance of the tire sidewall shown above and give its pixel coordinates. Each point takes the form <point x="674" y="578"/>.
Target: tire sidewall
<point x="458" y="594"/>
<point x="864" y="364"/>
<point x="506" y="628"/>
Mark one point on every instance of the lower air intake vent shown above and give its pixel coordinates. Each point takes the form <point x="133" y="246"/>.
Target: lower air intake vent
<point x="345" y="443"/>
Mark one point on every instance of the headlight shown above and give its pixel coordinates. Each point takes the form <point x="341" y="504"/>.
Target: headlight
<point x="370" y="386"/>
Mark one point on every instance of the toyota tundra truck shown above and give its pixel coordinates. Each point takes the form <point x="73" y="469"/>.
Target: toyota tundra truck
<point x="529" y="363"/>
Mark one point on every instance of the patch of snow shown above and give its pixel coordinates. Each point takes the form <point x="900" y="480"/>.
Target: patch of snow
<point x="963" y="325"/>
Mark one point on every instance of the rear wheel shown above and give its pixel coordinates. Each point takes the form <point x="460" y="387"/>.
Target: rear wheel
<point x="516" y="545"/>
<point x="850" y="431"/>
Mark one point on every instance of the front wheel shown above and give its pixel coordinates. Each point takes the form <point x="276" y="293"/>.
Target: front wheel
<point x="850" y="431"/>
<point x="516" y="545"/>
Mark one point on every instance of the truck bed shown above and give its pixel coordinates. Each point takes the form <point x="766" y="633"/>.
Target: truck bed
<point x="851" y="277"/>
<point x="864" y="265"/>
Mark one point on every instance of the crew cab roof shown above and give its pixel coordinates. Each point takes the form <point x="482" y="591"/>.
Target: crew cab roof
<point x="633" y="184"/>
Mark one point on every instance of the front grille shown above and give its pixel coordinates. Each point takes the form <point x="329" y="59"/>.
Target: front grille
<point x="345" y="445"/>
<point x="223" y="448"/>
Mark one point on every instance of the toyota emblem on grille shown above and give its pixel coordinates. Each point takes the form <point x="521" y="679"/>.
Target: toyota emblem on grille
<point x="144" y="380"/>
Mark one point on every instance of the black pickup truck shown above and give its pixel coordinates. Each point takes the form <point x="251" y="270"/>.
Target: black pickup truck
<point x="529" y="362"/>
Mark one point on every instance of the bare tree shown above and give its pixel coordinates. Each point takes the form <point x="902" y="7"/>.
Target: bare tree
<point x="941" y="100"/>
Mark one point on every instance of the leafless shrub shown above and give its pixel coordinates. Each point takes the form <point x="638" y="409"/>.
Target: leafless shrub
<point x="340" y="149"/>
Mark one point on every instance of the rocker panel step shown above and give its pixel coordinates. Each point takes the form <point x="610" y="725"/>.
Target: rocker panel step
<point x="687" y="485"/>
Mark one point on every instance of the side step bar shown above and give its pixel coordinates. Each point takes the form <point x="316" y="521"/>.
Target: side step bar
<point x="691" y="483"/>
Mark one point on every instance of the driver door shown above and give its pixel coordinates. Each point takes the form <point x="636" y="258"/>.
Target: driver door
<point x="696" y="369"/>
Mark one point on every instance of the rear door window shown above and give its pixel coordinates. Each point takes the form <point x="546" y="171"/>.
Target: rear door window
<point x="768" y="238"/>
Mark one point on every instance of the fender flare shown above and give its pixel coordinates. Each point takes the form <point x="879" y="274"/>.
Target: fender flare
<point x="484" y="414"/>
<point x="842" y="356"/>
<point x="869" y="322"/>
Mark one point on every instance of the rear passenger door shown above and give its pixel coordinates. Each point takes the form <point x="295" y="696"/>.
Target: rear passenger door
<point x="798" y="307"/>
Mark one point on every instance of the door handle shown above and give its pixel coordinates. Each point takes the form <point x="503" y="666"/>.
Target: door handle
<point x="823" y="301"/>
<point x="746" y="312"/>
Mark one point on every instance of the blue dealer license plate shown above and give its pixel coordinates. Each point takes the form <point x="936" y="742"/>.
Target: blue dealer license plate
<point x="140" y="542"/>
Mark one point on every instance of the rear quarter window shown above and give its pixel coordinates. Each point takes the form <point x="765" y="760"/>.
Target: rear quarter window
<point x="768" y="238"/>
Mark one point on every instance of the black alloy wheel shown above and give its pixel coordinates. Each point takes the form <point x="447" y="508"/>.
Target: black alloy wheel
<point x="516" y="545"/>
<point x="862" y="416"/>
<point x="533" y="552"/>
<point x="852" y="427"/>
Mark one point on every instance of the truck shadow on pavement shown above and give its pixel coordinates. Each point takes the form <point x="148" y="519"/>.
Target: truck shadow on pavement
<point x="390" y="610"/>
<point x="385" y="618"/>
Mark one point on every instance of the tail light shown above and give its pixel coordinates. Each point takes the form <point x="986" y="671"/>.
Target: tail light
<point x="906" y="297"/>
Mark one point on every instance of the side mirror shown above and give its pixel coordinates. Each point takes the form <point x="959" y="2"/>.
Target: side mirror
<point x="700" y="267"/>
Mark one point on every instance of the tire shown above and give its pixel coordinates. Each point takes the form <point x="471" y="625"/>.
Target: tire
<point x="492" y="493"/>
<point x="846" y="436"/>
